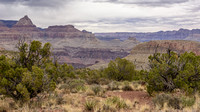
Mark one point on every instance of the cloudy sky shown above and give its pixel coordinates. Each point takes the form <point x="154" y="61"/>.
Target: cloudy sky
<point x="107" y="15"/>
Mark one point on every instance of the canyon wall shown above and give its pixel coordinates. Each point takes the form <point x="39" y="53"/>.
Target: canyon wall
<point x="70" y="45"/>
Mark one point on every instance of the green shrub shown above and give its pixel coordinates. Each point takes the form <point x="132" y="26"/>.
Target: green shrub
<point x="76" y="85"/>
<point x="187" y="101"/>
<point x="171" y="71"/>
<point x="108" y="108"/>
<point x="92" y="76"/>
<point x="127" y="88"/>
<point x="121" y="69"/>
<point x="173" y="101"/>
<point x="160" y="99"/>
<point x="113" y="100"/>
<point x="119" y="103"/>
<point x="59" y="72"/>
<point x="90" y="105"/>
<point x="113" y="86"/>
<point x="65" y="71"/>
<point x="98" y="90"/>
<point x="60" y="100"/>
<point x="23" y="77"/>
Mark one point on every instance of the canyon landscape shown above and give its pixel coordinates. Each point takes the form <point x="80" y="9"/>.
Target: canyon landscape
<point x="99" y="56"/>
<point x="70" y="45"/>
<point x="83" y="48"/>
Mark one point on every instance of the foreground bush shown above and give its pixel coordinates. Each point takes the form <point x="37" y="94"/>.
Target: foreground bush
<point x="121" y="69"/>
<point x="24" y="76"/>
<point x="90" y="105"/>
<point x="118" y="102"/>
<point x="173" y="71"/>
<point x="75" y="85"/>
<point x="172" y="101"/>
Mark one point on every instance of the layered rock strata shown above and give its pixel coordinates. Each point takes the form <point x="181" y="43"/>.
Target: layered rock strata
<point x="79" y="48"/>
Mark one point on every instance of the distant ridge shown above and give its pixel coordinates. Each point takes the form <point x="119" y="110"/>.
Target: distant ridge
<point x="181" y="34"/>
<point x="9" y="23"/>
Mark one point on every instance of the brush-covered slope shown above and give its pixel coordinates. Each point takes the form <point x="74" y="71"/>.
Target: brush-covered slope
<point x="140" y="53"/>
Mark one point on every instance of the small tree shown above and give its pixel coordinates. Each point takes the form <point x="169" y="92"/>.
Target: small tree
<point x="121" y="69"/>
<point x="24" y="76"/>
<point x="170" y="71"/>
<point x="33" y="54"/>
<point x="61" y="71"/>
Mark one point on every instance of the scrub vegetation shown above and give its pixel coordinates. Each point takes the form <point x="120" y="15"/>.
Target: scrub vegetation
<point x="32" y="80"/>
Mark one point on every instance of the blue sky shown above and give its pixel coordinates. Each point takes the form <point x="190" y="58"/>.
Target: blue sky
<point x="107" y="15"/>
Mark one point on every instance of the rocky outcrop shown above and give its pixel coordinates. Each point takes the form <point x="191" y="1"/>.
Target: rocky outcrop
<point x="25" y="25"/>
<point x="25" y="21"/>
<point x="140" y="53"/>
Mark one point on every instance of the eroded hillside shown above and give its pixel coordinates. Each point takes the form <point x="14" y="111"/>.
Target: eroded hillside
<point x="140" y="53"/>
<point x="79" y="48"/>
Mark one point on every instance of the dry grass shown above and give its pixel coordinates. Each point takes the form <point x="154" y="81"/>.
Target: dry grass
<point x="62" y="100"/>
<point x="4" y="104"/>
<point x="195" y="107"/>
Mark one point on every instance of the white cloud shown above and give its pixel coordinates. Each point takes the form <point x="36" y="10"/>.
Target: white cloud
<point x="107" y="15"/>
